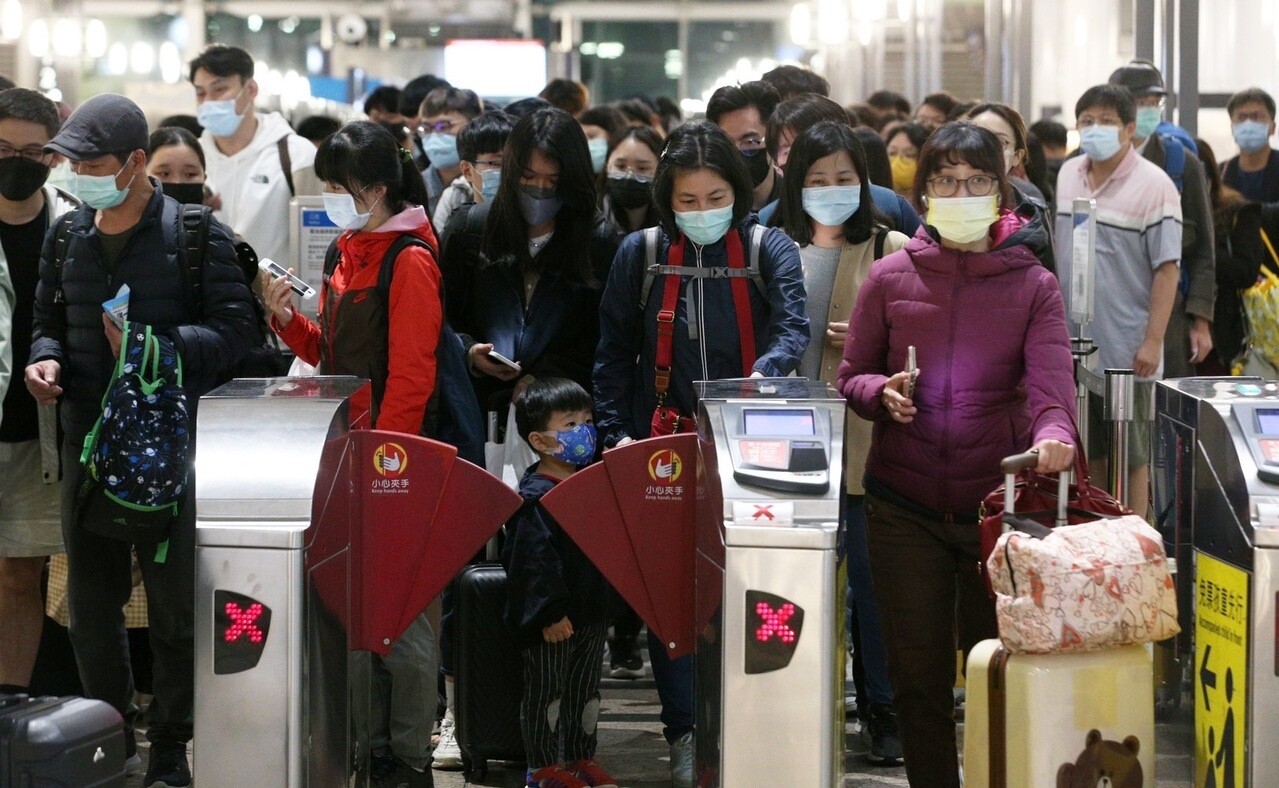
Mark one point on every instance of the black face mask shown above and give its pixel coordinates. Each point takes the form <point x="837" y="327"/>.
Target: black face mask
<point x="185" y="193"/>
<point x="758" y="165"/>
<point x="20" y="177"/>
<point x="629" y="192"/>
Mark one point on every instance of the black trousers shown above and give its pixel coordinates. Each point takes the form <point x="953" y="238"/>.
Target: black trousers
<point x="99" y="582"/>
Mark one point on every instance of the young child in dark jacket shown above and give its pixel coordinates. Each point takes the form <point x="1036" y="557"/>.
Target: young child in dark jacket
<point x="557" y="599"/>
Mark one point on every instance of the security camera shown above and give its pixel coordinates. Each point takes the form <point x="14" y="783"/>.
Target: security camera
<point x="351" y="28"/>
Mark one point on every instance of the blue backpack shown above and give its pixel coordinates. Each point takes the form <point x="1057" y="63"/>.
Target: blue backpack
<point x="136" y="457"/>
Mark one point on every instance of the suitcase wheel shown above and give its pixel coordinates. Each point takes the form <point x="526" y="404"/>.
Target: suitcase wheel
<point x="475" y="769"/>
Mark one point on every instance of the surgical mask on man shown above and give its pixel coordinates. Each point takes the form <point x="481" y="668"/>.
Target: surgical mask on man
<point x="219" y="117"/>
<point x="1148" y="119"/>
<point x="962" y="220"/>
<point x="441" y="149"/>
<point x="1251" y="135"/>
<point x="489" y="181"/>
<point x="99" y="192"/>
<point x="1099" y="142"/>
<point x="705" y="227"/>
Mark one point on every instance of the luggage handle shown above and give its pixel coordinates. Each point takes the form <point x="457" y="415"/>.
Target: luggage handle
<point x="1026" y="461"/>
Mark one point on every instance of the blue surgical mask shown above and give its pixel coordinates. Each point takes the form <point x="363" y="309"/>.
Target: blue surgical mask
<point x="705" y="227"/>
<point x="576" y="445"/>
<point x="489" y="181"/>
<point x="219" y="117"/>
<point x="342" y="211"/>
<point x="599" y="153"/>
<point x="441" y="149"/>
<point x="538" y="206"/>
<point x="831" y="205"/>
<point x="1148" y="119"/>
<point x="99" y="192"/>
<point x="1251" y="135"/>
<point x="1099" y="142"/>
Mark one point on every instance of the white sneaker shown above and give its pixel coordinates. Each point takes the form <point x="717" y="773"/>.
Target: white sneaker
<point x="448" y="755"/>
<point x="682" y="761"/>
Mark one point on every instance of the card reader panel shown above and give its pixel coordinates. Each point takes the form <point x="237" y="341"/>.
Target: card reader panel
<point x="779" y="446"/>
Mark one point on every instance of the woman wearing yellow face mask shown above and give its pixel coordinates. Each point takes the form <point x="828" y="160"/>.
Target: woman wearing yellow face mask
<point x="904" y="144"/>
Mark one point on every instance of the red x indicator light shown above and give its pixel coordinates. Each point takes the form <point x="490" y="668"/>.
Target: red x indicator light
<point x="773" y="625"/>
<point x="240" y="626"/>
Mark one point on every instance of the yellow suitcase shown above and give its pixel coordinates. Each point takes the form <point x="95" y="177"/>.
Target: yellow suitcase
<point x="1059" y="720"/>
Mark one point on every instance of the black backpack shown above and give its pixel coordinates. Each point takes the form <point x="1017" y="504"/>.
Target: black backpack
<point x="265" y="359"/>
<point x="453" y="412"/>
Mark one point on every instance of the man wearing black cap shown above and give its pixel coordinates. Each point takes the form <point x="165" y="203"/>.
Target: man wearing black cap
<point x="1188" y="338"/>
<point x="128" y="232"/>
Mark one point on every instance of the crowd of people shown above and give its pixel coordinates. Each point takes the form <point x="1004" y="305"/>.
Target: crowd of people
<point x="501" y="260"/>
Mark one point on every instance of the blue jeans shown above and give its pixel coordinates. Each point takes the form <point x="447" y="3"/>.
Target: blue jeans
<point x="867" y="639"/>
<point x="674" y="679"/>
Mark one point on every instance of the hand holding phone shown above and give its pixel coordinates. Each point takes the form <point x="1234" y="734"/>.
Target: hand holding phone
<point x="498" y="358"/>
<point x="275" y="271"/>
<point x="913" y="369"/>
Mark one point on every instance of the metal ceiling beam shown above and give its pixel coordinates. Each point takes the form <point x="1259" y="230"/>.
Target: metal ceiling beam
<point x="619" y="10"/>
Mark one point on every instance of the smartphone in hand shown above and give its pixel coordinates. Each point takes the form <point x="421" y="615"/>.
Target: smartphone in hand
<point x="498" y="358"/>
<point x="298" y="286"/>
<point x="913" y="369"/>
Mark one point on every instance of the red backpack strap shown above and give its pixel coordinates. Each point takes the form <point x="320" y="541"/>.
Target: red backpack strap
<point x="666" y="322"/>
<point x="741" y="302"/>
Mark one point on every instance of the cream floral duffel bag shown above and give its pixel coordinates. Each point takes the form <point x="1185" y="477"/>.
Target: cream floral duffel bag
<point x="1083" y="587"/>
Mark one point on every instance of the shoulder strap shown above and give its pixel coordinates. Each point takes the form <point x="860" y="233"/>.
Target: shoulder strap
<point x="662" y="360"/>
<point x="194" y="245"/>
<point x="742" y="296"/>
<point x="881" y="235"/>
<point x="1174" y="160"/>
<point x="757" y="277"/>
<point x="650" y="261"/>
<point x="387" y="272"/>
<point x="61" y="240"/>
<point x="286" y="162"/>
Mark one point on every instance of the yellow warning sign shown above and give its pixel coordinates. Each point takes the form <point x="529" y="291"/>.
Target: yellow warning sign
<point x="1221" y="672"/>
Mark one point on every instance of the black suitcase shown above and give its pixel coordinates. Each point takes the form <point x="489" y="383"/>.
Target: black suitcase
<point x="489" y="672"/>
<point x="56" y="742"/>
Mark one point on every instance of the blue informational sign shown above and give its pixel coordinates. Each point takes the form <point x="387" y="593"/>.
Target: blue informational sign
<point x="316" y="217"/>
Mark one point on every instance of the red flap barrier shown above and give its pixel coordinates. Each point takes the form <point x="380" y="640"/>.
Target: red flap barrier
<point x="632" y="515"/>
<point x="420" y="513"/>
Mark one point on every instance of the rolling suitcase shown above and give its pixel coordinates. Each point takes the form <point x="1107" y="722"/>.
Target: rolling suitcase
<point x="57" y="742"/>
<point x="489" y="671"/>
<point x="1059" y="720"/>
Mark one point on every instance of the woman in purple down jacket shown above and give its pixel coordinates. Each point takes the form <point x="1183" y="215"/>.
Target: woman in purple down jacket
<point x="994" y="379"/>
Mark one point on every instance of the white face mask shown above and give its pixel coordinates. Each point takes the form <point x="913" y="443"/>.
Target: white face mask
<point x="342" y="211"/>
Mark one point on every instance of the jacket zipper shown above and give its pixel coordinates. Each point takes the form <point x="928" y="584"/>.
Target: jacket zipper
<point x="950" y="360"/>
<point x="701" y="317"/>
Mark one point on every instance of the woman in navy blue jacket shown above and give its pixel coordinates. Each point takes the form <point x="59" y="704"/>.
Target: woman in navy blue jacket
<point x="702" y="190"/>
<point x="703" y="193"/>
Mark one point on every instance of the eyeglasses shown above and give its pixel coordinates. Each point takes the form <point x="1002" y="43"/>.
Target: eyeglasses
<point x="978" y="185"/>
<point x="440" y="126"/>
<point x="30" y="153"/>
<point x="627" y="169"/>
<point x="490" y="164"/>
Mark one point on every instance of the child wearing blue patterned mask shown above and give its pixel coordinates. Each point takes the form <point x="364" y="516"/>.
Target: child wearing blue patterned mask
<point x="556" y="598"/>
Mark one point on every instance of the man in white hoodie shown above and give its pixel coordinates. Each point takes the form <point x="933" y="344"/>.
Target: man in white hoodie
<point x="255" y="160"/>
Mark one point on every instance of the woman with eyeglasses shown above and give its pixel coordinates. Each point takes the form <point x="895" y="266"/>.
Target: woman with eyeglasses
<point x="627" y="198"/>
<point x="994" y="378"/>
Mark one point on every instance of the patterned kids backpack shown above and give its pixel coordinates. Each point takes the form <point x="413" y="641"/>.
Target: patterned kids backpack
<point x="136" y="457"/>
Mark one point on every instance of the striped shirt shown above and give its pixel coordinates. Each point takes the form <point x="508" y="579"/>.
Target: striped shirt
<point x="1138" y="229"/>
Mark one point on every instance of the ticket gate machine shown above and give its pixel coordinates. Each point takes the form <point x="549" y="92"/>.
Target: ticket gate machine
<point x="317" y="542"/>
<point x="1219" y="439"/>
<point x="770" y="583"/>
